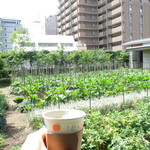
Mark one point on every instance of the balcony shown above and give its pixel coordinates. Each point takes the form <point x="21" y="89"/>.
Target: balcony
<point x="87" y="11"/>
<point x="114" y="12"/>
<point x="63" y="22"/>
<point x="88" y="26"/>
<point x="62" y="2"/>
<point x="102" y="34"/>
<point x="92" y="42"/>
<point x="67" y="4"/>
<point x="67" y="32"/>
<point x="87" y="18"/>
<point x="115" y="39"/>
<point x="75" y="29"/>
<point x="115" y="21"/>
<point x="67" y="11"/>
<point x="115" y="30"/>
<point x="117" y="47"/>
<point x="113" y="4"/>
<point x="63" y="15"/>
<point x="102" y="26"/>
<point x="102" y="10"/>
<point x="89" y="3"/>
<point x="102" y="18"/>
<point x="88" y="34"/>
<point x="59" y="24"/>
<point x="58" y="18"/>
<point x="103" y="42"/>
<point x="74" y="14"/>
<point x="63" y="28"/>
<point x="67" y="25"/>
<point x="68" y="18"/>
<point x="76" y="36"/>
<point x="74" y="21"/>
<point x="73" y="6"/>
<point x="101" y="2"/>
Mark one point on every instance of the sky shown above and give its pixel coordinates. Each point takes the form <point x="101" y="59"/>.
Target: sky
<point x="26" y="10"/>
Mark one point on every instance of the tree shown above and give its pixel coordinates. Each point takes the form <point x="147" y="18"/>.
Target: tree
<point x="20" y="39"/>
<point x="1" y="32"/>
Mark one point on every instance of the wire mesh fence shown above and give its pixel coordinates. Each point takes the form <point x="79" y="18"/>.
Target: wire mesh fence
<point x="59" y="84"/>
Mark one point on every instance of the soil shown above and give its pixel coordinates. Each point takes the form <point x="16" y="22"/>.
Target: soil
<point x="17" y="123"/>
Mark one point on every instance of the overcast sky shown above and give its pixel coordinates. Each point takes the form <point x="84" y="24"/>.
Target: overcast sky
<point x="27" y="9"/>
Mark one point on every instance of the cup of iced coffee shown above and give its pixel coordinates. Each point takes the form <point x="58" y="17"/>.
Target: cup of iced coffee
<point x="64" y="129"/>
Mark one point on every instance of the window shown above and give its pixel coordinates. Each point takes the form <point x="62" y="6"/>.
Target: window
<point x="93" y="25"/>
<point x="141" y="27"/>
<point x="48" y="44"/>
<point x="131" y="36"/>
<point x="141" y="36"/>
<point x="14" y="29"/>
<point x="141" y="9"/>
<point x="130" y="7"/>
<point x="29" y="45"/>
<point x="131" y="26"/>
<point x="86" y="1"/>
<point x="5" y="40"/>
<point x="130" y="17"/>
<point x="93" y="17"/>
<point x="93" y="32"/>
<point x="141" y="18"/>
<point x="67" y="44"/>
<point x="93" y="41"/>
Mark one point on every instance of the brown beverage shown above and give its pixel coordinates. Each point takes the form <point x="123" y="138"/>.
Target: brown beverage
<point x="68" y="141"/>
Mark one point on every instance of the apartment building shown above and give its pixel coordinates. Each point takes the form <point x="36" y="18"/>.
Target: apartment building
<point x="104" y="24"/>
<point x="51" y="25"/>
<point x="8" y="26"/>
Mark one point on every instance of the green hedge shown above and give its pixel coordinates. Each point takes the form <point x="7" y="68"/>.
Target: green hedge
<point x="47" y="58"/>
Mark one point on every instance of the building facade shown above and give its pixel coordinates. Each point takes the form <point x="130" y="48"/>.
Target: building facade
<point x="8" y="26"/>
<point x="104" y="24"/>
<point x="51" y="25"/>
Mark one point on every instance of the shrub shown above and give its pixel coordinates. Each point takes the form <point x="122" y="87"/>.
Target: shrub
<point x="4" y="74"/>
<point x="3" y="108"/>
<point x="128" y="129"/>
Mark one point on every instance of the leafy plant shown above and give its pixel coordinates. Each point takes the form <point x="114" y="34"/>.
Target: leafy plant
<point x="126" y="129"/>
<point x="18" y="100"/>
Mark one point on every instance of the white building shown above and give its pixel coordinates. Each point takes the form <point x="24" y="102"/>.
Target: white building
<point x="139" y="53"/>
<point x="52" y="42"/>
<point x="40" y="41"/>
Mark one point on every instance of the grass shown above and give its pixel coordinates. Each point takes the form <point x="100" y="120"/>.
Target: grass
<point x="104" y="105"/>
<point x="1" y="139"/>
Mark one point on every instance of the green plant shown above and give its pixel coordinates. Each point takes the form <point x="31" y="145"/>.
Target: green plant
<point x="15" y="148"/>
<point x="18" y="100"/>
<point x="3" y="108"/>
<point x="1" y="139"/>
<point x="126" y="129"/>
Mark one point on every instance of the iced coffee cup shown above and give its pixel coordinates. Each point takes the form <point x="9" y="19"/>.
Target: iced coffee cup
<point x="64" y="129"/>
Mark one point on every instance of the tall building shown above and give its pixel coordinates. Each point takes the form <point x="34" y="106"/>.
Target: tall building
<point x="104" y="24"/>
<point x="8" y="26"/>
<point x="51" y="25"/>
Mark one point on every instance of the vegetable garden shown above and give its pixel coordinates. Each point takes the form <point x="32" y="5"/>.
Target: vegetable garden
<point x="42" y="90"/>
<point x="49" y="80"/>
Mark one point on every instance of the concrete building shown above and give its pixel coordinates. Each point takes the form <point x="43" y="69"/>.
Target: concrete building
<point x="139" y="53"/>
<point x="51" y="43"/>
<point x="104" y="24"/>
<point x="8" y="26"/>
<point x="51" y="25"/>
